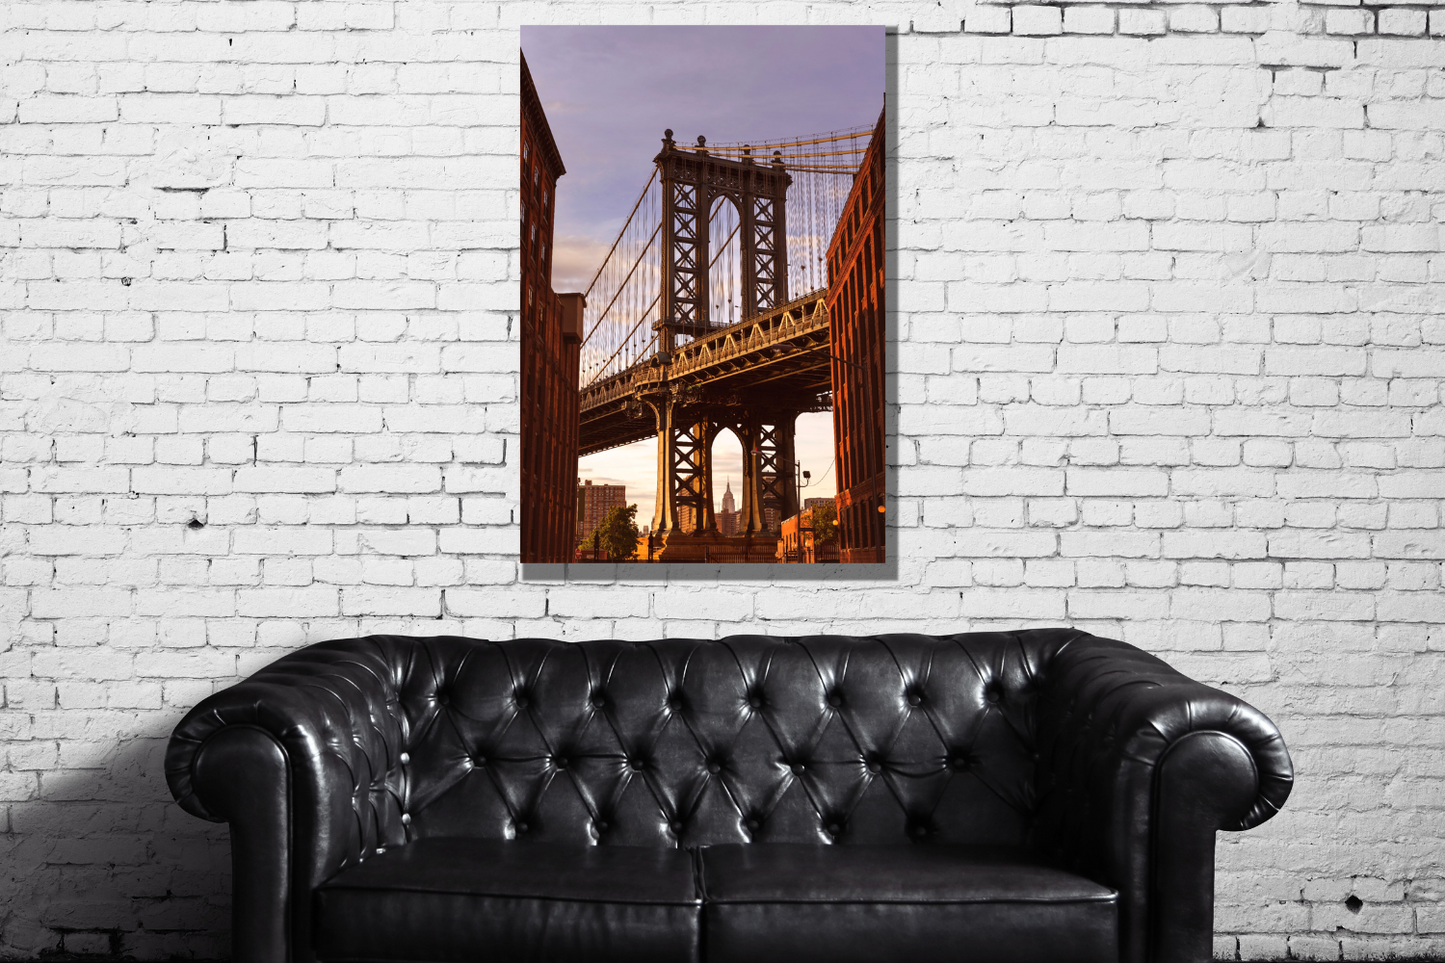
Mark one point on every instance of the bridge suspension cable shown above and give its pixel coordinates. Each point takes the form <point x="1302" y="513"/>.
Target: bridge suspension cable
<point x="815" y="203"/>
<point x="850" y="134"/>
<point x="625" y="291"/>
<point x="615" y="296"/>
<point x="823" y="166"/>
<point x="640" y="198"/>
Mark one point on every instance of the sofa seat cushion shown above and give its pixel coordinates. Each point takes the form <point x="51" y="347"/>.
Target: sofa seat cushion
<point x="443" y="899"/>
<point x="921" y="903"/>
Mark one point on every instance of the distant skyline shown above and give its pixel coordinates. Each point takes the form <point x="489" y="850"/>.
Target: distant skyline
<point x="610" y="92"/>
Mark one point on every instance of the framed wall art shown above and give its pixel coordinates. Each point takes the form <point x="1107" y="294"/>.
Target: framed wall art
<point x="703" y="286"/>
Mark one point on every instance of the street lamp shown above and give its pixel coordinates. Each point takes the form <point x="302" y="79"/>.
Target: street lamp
<point x="808" y="477"/>
<point x="798" y="477"/>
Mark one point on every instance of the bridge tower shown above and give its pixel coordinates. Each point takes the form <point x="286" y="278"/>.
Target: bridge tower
<point x="687" y="423"/>
<point x="691" y="181"/>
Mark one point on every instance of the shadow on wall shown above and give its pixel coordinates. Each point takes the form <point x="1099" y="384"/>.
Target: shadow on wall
<point x="102" y="863"/>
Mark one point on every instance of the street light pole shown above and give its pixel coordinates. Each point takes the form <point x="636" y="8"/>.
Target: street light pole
<point x="798" y="476"/>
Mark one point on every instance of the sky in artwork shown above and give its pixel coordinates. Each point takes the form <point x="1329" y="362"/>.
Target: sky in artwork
<point x="610" y="92"/>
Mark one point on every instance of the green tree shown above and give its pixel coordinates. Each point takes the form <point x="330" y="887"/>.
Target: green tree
<point x="825" y="523"/>
<point x="617" y="533"/>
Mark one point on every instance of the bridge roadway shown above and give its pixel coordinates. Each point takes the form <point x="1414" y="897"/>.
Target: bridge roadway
<point x="778" y="359"/>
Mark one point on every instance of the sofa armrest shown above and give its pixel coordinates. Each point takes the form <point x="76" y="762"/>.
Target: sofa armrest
<point x="301" y="760"/>
<point x="1138" y="767"/>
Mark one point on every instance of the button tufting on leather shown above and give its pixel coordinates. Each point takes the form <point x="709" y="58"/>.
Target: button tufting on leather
<point x="835" y="828"/>
<point x="520" y="826"/>
<point x="527" y="722"/>
<point x="406" y="819"/>
<point x="602" y="825"/>
<point x="993" y="693"/>
<point x="405" y="758"/>
<point x="443" y="699"/>
<point x="675" y="826"/>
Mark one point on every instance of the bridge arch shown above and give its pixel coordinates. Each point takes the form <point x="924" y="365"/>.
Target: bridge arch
<point x="725" y="256"/>
<point x="727" y="461"/>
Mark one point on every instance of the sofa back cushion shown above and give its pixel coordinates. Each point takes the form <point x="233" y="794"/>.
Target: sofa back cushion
<point x="885" y="739"/>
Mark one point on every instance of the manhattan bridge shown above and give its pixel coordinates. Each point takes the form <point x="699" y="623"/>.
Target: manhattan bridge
<point x="710" y="313"/>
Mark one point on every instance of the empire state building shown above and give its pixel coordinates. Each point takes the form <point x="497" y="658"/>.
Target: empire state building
<point x="727" y="519"/>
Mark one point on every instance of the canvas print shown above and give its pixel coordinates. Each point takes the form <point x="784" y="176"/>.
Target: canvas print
<point x="702" y="295"/>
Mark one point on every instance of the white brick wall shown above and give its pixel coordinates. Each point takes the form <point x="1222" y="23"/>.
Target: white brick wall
<point x="1171" y="340"/>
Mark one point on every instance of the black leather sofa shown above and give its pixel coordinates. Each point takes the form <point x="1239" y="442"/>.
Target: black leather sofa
<point x="1003" y="797"/>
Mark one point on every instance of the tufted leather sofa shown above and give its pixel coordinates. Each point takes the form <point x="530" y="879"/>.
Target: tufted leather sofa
<point x="1004" y="797"/>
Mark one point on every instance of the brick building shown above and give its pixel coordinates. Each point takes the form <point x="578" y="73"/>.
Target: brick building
<point x="799" y="541"/>
<point x="855" y="307"/>
<point x="551" y="337"/>
<point x="593" y="502"/>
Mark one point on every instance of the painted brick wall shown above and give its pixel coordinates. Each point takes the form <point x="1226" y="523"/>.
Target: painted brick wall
<point x="1170" y="319"/>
